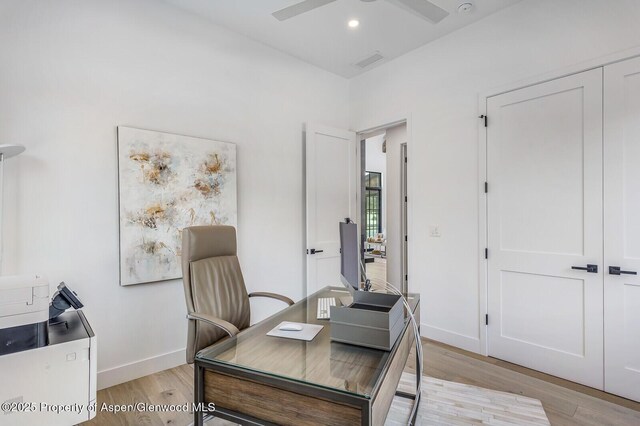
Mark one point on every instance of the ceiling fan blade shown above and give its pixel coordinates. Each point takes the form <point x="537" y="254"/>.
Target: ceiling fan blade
<point x="299" y="8"/>
<point x="424" y="9"/>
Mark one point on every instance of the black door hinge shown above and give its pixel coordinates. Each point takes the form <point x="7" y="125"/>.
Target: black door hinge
<point x="486" y="253"/>
<point x="405" y="238"/>
<point x="484" y="117"/>
<point x="486" y="319"/>
<point x="406" y="277"/>
<point x="405" y="159"/>
<point x="486" y="187"/>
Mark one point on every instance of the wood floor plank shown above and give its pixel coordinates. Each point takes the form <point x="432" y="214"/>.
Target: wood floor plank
<point x="163" y="391"/>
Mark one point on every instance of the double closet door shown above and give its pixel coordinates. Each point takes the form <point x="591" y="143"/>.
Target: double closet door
<point x="563" y="212"/>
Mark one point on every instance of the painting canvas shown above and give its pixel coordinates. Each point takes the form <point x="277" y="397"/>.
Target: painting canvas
<point x="166" y="183"/>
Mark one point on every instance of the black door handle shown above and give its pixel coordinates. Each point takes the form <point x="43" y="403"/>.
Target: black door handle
<point x="589" y="268"/>
<point x="314" y="251"/>
<point x="615" y="270"/>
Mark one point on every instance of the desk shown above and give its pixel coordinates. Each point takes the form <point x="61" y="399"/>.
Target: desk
<point x="257" y="379"/>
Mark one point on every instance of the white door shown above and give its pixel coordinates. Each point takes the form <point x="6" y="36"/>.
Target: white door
<point x="622" y="228"/>
<point x="331" y="197"/>
<point x="544" y="168"/>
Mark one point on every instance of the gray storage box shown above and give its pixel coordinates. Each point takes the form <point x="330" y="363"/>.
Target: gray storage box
<point x="374" y="320"/>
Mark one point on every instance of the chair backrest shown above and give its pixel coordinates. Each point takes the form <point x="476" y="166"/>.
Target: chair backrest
<point x="213" y="283"/>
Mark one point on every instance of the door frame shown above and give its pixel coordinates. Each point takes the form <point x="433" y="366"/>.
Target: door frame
<point x="404" y="210"/>
<point x="483" y="237"/>
<point x="369" y="132"/>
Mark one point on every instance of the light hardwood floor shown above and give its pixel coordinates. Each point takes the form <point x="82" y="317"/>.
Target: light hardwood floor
<point x="377" y="270"/>
<point x="565" y="403"/>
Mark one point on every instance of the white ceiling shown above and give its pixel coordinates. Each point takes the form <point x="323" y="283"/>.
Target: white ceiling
<point x="322" y="36"/>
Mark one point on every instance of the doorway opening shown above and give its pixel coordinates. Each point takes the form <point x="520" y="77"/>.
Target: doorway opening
<point x="383" y="204"/>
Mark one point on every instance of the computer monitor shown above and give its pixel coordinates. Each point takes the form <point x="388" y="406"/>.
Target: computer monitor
<point x="349" y="255"/>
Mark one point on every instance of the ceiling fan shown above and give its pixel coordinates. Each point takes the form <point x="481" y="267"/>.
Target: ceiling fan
<point x="422" y="8"/>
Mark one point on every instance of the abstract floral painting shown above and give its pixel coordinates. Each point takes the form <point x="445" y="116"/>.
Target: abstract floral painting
<point x="166" y="183"/>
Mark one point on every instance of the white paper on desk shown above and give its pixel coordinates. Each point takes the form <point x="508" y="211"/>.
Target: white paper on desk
<point x="308" y="332"/>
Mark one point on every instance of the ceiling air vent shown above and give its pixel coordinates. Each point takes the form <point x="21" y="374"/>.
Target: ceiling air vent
<point x="370" y="60"/>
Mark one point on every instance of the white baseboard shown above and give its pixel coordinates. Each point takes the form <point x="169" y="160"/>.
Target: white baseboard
<point x="450" y="338"/>
<point x="124" y="373"/>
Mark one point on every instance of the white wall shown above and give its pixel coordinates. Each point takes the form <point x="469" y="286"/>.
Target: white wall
<point x="396" y="136"/>
<point x="437" y="87"/>
<point x="376" y="161"/>
<point x="71" y="71"/>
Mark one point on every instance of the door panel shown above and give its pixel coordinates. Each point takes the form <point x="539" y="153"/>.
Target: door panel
<point x="564" y="311"/>
<point x="544" y="167"/>
<point x="541" y="174"/>
<point x="622" y="228"/>
<point x="330" y="198"/>
<point x="631" y="312"/>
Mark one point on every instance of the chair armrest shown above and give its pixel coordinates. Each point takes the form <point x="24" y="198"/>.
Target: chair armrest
<point x="229" y="328"/>
<point x="272" y="296"/>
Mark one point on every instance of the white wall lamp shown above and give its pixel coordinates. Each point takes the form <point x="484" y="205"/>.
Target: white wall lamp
<point x="6" y="152"/>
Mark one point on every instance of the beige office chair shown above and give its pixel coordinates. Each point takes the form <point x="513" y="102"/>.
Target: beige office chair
<point x="217" y="299"/>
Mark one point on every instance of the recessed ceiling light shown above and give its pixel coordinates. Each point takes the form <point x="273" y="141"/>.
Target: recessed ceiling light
<point x="353" y="23"/>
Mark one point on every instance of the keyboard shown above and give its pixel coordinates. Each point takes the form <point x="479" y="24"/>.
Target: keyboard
<point x="324" y="307"/>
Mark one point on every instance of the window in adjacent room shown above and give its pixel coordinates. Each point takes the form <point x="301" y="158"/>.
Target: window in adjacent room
<point x="373" y="203"/>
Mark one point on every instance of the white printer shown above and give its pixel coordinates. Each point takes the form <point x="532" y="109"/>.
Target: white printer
<point x="24" y="313"/>
<point x="48" y="368"/>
